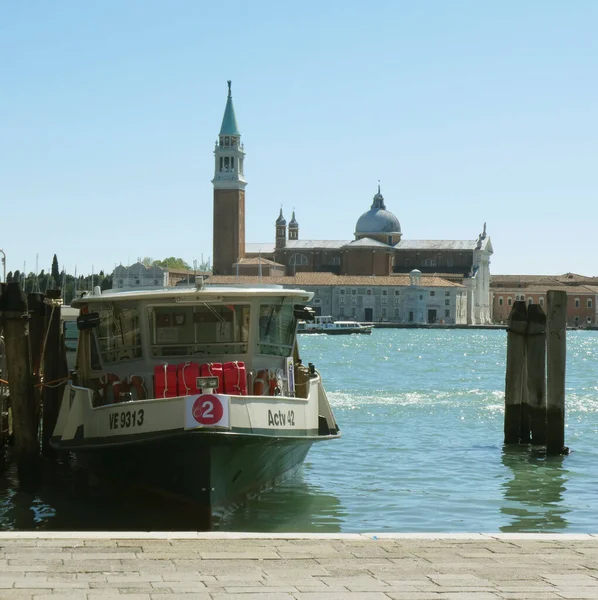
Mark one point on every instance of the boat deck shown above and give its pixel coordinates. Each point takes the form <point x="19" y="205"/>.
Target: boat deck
<point x="218" y="566"/>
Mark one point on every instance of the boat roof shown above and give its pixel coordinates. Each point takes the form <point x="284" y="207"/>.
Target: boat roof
<point x="189" y="294"/>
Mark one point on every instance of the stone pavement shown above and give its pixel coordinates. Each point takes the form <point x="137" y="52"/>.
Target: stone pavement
<point x="220" y="566"/>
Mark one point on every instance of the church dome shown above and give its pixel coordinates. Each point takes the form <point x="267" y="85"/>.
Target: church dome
<point x="377" y="219"/>
<point x="293" y="224"/>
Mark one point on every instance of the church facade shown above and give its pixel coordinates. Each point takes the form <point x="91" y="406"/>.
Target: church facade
<point x="377" y="249"/>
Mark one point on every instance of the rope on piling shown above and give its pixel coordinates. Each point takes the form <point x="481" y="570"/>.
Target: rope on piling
<point x="53" y="384"/>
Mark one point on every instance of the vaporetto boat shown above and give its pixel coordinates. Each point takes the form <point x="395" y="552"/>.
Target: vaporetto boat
<point x="326" y="324"/>
<point x="195" y="392"/>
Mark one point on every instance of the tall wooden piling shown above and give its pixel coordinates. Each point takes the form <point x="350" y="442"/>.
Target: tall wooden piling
<point x="37" y="330"/>
<point x="515" y="371"/>
<point x="54" y="369"/>
<point x="536" y="372"/>
<point x="556" y="360"/>
<point x="13" y="305"/>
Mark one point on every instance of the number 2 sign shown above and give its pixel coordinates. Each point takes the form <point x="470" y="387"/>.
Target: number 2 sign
<point x="206" y="410"/>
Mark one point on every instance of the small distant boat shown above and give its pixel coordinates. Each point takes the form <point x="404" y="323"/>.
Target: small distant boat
<point x="326" y="324"/>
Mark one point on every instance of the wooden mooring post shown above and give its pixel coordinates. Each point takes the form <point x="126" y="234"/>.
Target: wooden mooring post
<point x="13" y="306"/>
<point x="557" y="355"/>
<point x="517" y="325"/>
<point x="55" y="371"/>
<point x="532" y="415"/>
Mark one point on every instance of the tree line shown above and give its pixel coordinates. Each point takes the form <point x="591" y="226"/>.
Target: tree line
<point x="73" y="284"/>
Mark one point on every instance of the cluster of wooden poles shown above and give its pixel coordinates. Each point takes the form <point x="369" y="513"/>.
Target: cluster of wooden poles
<point x="535" y="377"/>
<point x="36" y="374"/>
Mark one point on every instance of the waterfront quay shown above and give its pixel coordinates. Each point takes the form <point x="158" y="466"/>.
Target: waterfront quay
<point x="246" y="566"/>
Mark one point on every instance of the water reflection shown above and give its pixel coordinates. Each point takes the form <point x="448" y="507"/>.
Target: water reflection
<point x="293" y="506"/>
<point x="534" y="496"/>
<point x="67" y="498"/>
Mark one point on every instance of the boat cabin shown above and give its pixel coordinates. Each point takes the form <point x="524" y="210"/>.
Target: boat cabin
<point x="174" y="342"/>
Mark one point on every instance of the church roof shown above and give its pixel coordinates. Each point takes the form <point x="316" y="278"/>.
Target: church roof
<point x="258" y="261"/>
<point x="327" y="279"/>
<point x="436" y="245"/>
<point x="367" y="243"/>
<point x="229" y="121"/>
<point x="257" y="247"/>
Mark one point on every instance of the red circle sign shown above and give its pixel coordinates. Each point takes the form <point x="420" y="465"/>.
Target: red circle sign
<point x="207" y="410"/>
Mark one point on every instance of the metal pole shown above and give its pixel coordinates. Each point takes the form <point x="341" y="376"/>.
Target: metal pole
<point x="4" y="264"/>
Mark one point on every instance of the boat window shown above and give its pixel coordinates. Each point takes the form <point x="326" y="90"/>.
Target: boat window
<point x="118" y="334"/>
<point x="199" y="329"/>
<point x="277" y="327"/>
<point x="71" y="335"/>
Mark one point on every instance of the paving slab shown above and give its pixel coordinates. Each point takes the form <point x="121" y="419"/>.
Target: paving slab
<point x="372" y="566"/>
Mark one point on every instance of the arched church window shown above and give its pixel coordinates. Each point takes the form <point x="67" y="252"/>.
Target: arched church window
<point x="298" y="260"/>
<point x="221" y="163"/>
<point x="226" y="141"/>
<point x="226" y="162"/>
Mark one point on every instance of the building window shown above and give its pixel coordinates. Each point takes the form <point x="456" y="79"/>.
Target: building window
<point x="447" y="302"/>
<point x="421" y="296"/>
<point x="589" y="319"/>
<point x="541" y="301"/>
<point x="384" y="292"/>
<point x="432" y="293"/>
<point x="410" y="316"/>
<point x="429" y="262"/>
<point x="576" y="319"/>
<point x="397" y="312"/>
<point x="342" y="291"/>
<point x="353" y="291"/>
<point x="221" y="163"/>
<point x="384" y="300"/>
<point x="353" y="301"/>
<point x="529" y="301"/>
<point x="447" y="293"/>
<point x="447" y="313"/>
<point x="589" y="303"/>
<point x="354" y="312"/>
<point x="449" y="262"/>
<point x="368" y="292"/>
<point x="298" y="260"/>
<point x="397" y="292"/>
<point x="397" y="301"/>
<point x="509" y="301"/>
<point x="384" y="312"/>
<point x="576" y="302"/>
<point x="317" y="301"/>
<point x="500" y="301"/>
<point x="336" y="261"/>
<point x="341" y="311"/>
<point x="341" y="300"/>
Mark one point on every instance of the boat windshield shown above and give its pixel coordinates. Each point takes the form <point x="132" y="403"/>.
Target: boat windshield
<point x="71" y="335"/>
<point x="277" y="327"/>
<point x="118" y="334"/>
<point x="198" y="329"/>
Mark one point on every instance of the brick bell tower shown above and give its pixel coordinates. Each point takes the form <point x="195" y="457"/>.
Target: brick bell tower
<point x="229" y="194"/>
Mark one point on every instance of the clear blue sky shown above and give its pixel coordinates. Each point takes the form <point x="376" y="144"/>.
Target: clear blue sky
<point x="467" y="111"/>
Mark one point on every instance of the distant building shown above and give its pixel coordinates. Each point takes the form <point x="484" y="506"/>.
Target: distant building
<point x="412" y="299"/>
<point x="378" y="248"/>
<point x="139" y="275"/>
<point x="582" y="295"/>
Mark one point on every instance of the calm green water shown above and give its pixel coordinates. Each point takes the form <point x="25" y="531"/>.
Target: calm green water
<point x="421" y="413"/>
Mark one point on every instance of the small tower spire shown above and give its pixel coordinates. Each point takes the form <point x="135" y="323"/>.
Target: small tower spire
<point x="293" y="227"/>
<point x="281" y="230"/>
